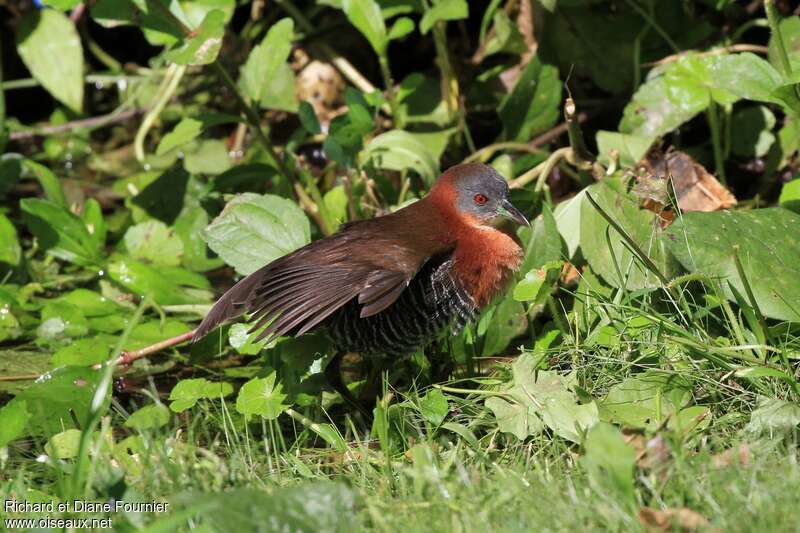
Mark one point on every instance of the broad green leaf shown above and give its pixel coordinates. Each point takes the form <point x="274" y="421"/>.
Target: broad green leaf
<point x="402" y="27"/>
<point x="49" y="182"/>
<point x="163" y="21"/>
<point x="265" y="60"/>
<point x="189" y="227"/>
<point x="151" y="416"/>
<point x="10" y="170"/>
<point x="50" y="47"/>
<point x="657" y="109"/>
<point x="92" y="217"/>
<point x="60" y="397"/>
<point x="790" y="31"/>
<point x="208" y="156"/>
<point x="630" y="148"/>
<point x="610" y="462"/>
<point x="420" y="99"/>
<point x="254" y="230"/>
<point x="400" y="150"/>
<point x="186" y="131"/>
<point x="72" y="321"/>
<point x="14" y="417"/>
<point x="646" y="399"/>
<point x="606" y="250"/>
<point x="166" y="285"/>
<point x="16" y="362"/>
<point x="536" y="284"/>
<point x="91" y="304"/>
<point x="308" y="118"/>
<point x="768" y="243"/>
<point x="244" y="342"/>
<point x="279" y="91"/>
<point x="64" y="445"/>
<point x="366" y="16"/>
<point x="261" y="396"/>
<point x="542" y="241"/>
<point x="10" y="251"/>
<point x="568" y="221"/>
<point x="187" y="392"/>
<point x="507" y="322"/>
<point x="62" y="5"/>
<point x="84" y="352"/>
<point x="533" y="104"/>
<point x="59" y="232"/>
<point x="518" y="419"/>
<point x="442" y="10"/>
<point x="154" y="242"/>
<point x="790" y="195"/>
<point x="434" y="407"/>
<point x="506" y="37"/>
<point x="774" y="417"/>
<point x="204" y="43"/>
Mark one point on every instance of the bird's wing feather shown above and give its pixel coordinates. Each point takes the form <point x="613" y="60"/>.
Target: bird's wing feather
<point x="297" y="292"/>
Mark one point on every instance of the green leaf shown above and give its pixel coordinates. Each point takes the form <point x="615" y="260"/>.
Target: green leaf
<point x="186" y="131"/>
<point x="532" y="106"/>
<point x="606" y="250"/>
<point x="434" y="407"/>
<point x="366" y="16"/>
<point x="265" y="60"/>
<point x="84" y="352"/>
<point x="400" y="150"/>
<point x="536" y="285"/>
<point x="162" y="21"/>
<point x="279" y="92"/>
<point x="187" y="392"/>
<point x="166" y="285"/>
<point x="254" y="230"/>
<point x="204" y="43"/>
<point x="657" y="109"/>
<point x="49" y="182"/>
<point x="154" y="242"/>
<point x="10" y="251"/>
<point x="402" y="27"/>
<point x="14" y="417"/>
<point x="768" y="242"/>
<point x="773" y="416"/>
<point x="90" y="303"/>
<point x="72" y="321"/>
<point x="645" y="400"/>
<point x="50" y="47"/>
<point x="189" y="227"/>
<point x="443" y="10"/>
<point x="14" y="362"/>
<point x="261" y="396"/>
<point x="62" y="5"/>
<point x="610" y="462"/>
<point x="151" y="416"/>
<point x="790" y="195"/>
<point x="60" y="233"/>
<point x="209" y="156"/>
<point x="790" y="31"/>
<point x="60" y="397"/>
<point x="506" y="37"/>
<point x="753" y="127"/>
<point x="568" y="221"/>
<point x="516" y="418"/>
<point x="630" y="148"/>
<point x="308" y="118"/>
<point x="64" y="445"/>
<point x="507" y="322"/>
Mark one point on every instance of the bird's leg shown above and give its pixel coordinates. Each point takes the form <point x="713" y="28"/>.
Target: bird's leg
<point x="333" y="373"/>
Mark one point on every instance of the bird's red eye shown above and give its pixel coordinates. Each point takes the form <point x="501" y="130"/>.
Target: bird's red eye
<point x="480" y="199"/>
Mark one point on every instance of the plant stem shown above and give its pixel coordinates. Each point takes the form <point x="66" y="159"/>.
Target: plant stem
<point x="450" y="89"/>
<point x="716" y="142"/>
<point x="165" y="93"/>
<point x="92" y="122"/>
<point x="391" y="94"/>
<point x="27" y="83"/>
<point x="775" y="28"/>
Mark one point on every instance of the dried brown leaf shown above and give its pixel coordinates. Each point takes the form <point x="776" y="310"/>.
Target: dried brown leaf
<point x="695" y="188"/>
<point x="737" y="456"/>
<point x="672" y="518"/>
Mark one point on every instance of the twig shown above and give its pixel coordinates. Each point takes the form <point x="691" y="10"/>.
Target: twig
<point x="126" y="358"/>
<point x="20" y="377"/>
<point x="557" y="131"/>
<point x="542" y="170"/>
<point x="486" y="152"/>
<point x="93" y="122"/>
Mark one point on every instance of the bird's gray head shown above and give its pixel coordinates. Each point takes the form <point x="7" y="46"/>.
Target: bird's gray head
<point x="479" y="192"/>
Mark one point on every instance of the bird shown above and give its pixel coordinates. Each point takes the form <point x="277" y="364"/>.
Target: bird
<point x="392" y="284"/>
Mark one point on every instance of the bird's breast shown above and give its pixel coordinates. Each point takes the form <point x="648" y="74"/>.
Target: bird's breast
<point x="486" y="260"/>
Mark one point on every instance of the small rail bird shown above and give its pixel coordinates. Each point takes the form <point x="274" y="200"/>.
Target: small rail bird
<point x="392" y="284"/>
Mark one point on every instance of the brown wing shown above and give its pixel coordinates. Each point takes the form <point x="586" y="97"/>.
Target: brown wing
<point x="372" y="261"/>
